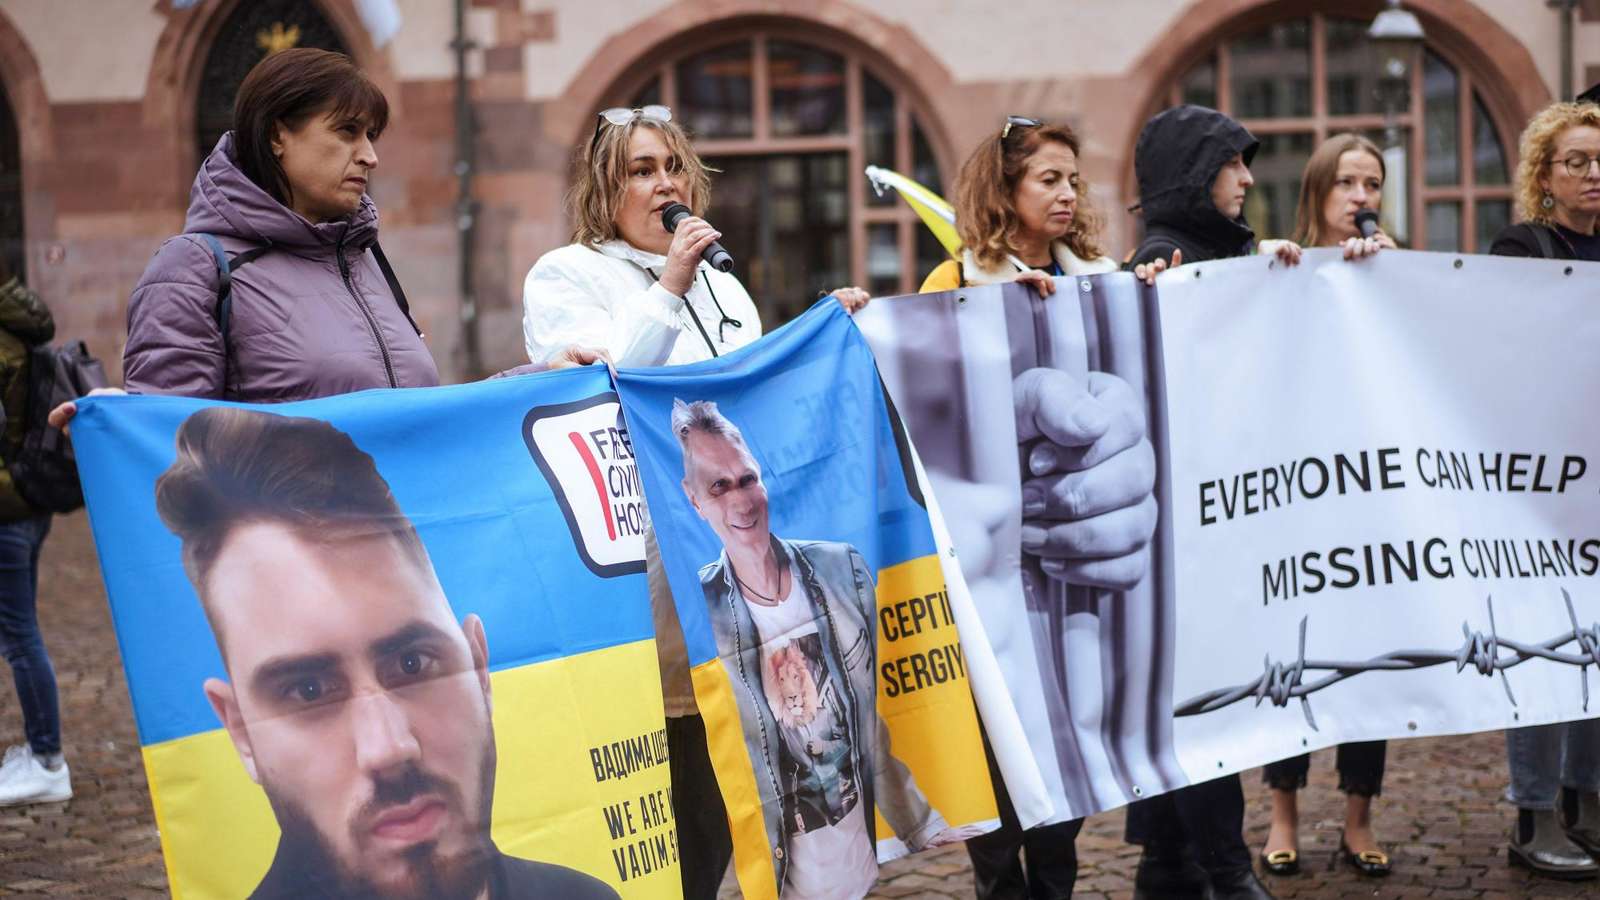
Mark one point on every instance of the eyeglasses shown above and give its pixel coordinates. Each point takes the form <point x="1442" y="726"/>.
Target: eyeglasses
<point x="1018" y="122"/>
<point x="622" y="115"/>
<point x="1577" y="164"/>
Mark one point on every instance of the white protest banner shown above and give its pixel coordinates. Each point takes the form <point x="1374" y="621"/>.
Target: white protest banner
<point x="1376" y="487"/>
<point x="1383" y="499"/>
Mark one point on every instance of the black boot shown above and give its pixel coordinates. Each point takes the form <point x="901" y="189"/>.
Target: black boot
<point x="1168" y="872"/>
<point x="1580" y="816"/>
<point x="1239" y="885"/>
<point x="1539" y="844"/>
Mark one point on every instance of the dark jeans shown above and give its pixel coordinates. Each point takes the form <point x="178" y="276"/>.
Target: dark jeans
<point x="704" y="843"/>
<point x="1206" y="817"/>
<point x="1012" y="864"/>
<point x="1360" y="768"/>
<point x="20" y="643"/>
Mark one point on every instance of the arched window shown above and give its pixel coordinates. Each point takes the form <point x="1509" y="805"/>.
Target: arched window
<point x="791" y="126"/>
<point x="1294" y="82"/>
<point x="11" y="233"/>
<point x="252" y="31"/>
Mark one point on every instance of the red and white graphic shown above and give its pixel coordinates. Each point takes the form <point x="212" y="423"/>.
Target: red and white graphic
<point x="584" y="451"/>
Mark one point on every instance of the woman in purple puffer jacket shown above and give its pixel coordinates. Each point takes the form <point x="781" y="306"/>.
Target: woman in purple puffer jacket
<point x="285" y="195"/>
<point x="311" y="311"/>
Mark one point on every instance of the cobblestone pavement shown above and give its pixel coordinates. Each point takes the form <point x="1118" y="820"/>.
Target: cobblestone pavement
<point x="1440" y="815"/>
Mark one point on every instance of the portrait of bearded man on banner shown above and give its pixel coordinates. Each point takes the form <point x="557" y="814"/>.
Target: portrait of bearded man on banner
<point x="354" y="697"/>
<point x="794" y="622"/>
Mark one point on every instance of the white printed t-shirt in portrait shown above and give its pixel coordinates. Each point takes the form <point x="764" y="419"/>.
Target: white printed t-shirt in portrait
<point x="831" y="855"/>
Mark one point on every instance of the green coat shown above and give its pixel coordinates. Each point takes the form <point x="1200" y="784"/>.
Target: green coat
<point x="24" y="322"/>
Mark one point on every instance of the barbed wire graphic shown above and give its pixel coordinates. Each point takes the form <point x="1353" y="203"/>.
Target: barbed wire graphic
<point x="1285" y="681"/>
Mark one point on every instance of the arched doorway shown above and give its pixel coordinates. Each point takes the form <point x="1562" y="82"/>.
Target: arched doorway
<point x="791" y="119"/>
<point x="12" y="234"/>
<point x="251" y="32"/>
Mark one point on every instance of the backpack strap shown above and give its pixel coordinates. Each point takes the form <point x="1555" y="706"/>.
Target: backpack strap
<point x="225" y="268"/>
<point x="224" y="309"/>
<point x="394" y="286"/>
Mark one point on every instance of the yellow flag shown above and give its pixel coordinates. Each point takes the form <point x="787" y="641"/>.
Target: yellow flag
<point x="934" y="210"/>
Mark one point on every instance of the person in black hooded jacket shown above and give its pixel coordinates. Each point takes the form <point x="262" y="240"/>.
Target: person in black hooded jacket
<point x="1193" y="168"/>
<point x="1192" y="164"/>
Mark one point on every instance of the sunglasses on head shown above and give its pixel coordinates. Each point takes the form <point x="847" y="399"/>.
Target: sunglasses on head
<point x="622" y="115"/>
<point x="1017" y="123"/>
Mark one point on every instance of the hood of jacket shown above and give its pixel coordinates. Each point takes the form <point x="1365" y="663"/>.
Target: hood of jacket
<point x="224" y="201"/>
<point x="1178" y="155"/>
<point x="24" y="315"/>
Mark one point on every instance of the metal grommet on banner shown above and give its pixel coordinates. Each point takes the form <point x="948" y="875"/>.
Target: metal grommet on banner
<point x="961" y="298"/>
<point x="1138" y="791"/>
<point x="1458" y="263"/>
<point x="1197" y="272"/>
<point x="1085" y="286"/>
<point x="1411" y="726"/>
<point x="1567" y="271"/>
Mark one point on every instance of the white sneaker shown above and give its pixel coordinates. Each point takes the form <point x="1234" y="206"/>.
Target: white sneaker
<point x="14" y="756"/>
<point x="24" y="779"/>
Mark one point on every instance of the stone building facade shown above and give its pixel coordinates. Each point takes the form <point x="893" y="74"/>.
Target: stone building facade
<point x="107" y="104"/>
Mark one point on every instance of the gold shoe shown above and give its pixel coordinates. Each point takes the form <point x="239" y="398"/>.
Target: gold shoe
<point x="1281" y="862"/>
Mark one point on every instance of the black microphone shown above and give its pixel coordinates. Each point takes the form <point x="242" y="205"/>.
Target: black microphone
<point x="713" y="254"/>
<point x="1366" y="221"/>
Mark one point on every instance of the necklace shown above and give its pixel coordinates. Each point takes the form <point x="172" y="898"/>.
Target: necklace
<point x="773" y="600"/>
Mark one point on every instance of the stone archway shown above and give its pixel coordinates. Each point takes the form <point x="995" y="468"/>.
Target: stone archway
<point x="1503" y="70"/>
<point x="913" y="69"/>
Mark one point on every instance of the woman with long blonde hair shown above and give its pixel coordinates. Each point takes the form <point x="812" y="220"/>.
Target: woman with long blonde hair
<point x="1343" y="177"/>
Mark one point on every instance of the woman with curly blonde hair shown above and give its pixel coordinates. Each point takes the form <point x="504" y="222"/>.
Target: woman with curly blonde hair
<point x="1558" y="186"/>
<point x="1023" y="212"/>
<point x="1555" y="769"/>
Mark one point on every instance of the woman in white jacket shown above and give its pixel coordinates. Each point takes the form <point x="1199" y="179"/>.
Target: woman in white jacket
<point x="625" y="283"/>
<point x="641" y="293"/>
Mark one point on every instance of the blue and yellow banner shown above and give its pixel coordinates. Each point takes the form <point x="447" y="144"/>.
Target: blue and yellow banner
<point x="394" y="643"/>
<point x="822" y="641"/>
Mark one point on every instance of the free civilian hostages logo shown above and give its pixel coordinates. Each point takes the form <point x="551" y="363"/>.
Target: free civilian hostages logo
<point x="584" y="451"/>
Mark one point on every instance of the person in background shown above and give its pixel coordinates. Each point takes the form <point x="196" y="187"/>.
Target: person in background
<point x="1023" y="215"/>
<point x="1193" y="168"/>
<point x="1344" y="176"/>
<point x="643" y="295"/>
<point x="1555" y="769"/>
<point x="33" y="771"/>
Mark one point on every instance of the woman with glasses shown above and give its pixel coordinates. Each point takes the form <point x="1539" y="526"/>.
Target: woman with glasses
<point x="1023" y="215"/>
<point x="1555" y="769"/>
<point x="626" y="283"/>
<point x="1558" y="186"/>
